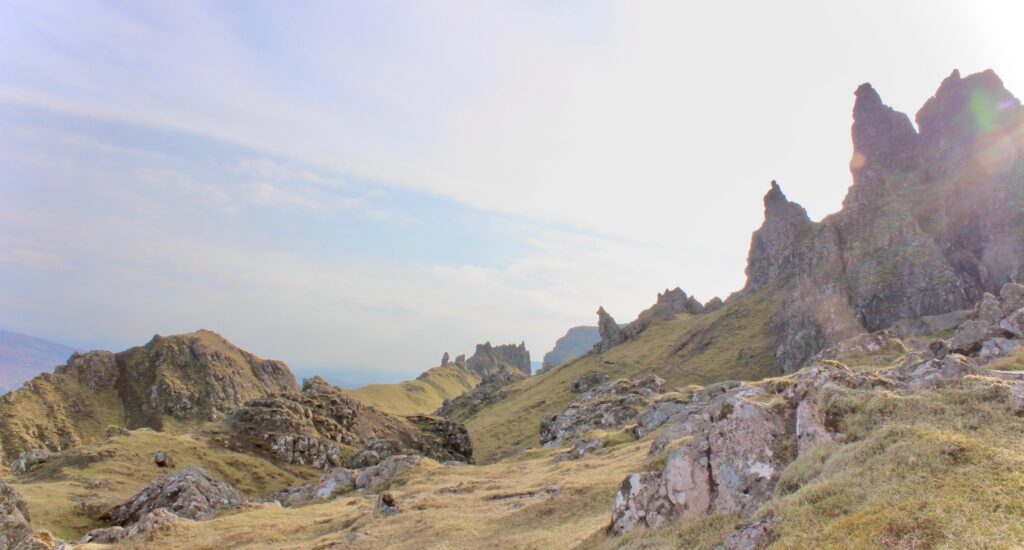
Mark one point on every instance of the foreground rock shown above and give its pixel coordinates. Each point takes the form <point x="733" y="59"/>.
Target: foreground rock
<point x="148" y="522"/>
<point x="15" y="523"/>
<point x="725" y="446"/>
<point x="191" y="493"/>
<point x="340" y="481"/>
<point x="307" y="428"/>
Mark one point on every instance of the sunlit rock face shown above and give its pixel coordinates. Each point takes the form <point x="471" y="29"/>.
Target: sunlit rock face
<point x="933" y="220"/>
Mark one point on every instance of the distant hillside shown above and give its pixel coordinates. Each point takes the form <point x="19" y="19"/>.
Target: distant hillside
<point x="421" y="396"/>
<point x="576" y="342"/>
<point x="171" y="381"/>
<point x="23" y="357"/>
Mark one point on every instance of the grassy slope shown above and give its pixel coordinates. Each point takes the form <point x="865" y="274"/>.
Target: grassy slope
<point x="935" y="469"/>
<point x="66" y="494"/>
<point x="531" y="502"/>
<point x="422" y="396"/>
<point x="731" y="343"/>
<point x="58" y="404"/>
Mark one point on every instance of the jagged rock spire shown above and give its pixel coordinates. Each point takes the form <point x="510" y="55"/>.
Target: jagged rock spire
<point x="771" y="245"/>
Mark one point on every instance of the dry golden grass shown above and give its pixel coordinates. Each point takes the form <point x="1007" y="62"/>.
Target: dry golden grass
<point x="68" y="493"/>
<point x="731" y="343"/>
<point x="532" y="501"/>
<point x="421" y="396"/>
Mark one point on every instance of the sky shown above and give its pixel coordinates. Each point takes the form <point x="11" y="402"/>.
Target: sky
<point x="357" y="187"/>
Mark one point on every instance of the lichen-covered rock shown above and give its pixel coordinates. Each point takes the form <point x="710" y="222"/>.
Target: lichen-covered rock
<point x="332" y="484"/>
<point x="727" y="463"/>
<point x="191" y="493"/>
<point x="30" y="458"/>
<point x="15" y="522"/>
<point x="755" y="536"/>
<point x="379" y="477"/>
<point x="112" y="535"/>
<point x="607" y="406"/>
<point x="308" y="427"/>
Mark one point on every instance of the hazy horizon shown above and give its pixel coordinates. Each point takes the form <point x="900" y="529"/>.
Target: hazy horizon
<point x="357" y="188"/>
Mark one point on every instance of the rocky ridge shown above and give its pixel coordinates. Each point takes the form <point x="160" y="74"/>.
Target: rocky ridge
<point x="933" y="220"/>
<point x="668" y="304"/>
<point x="313" y="426"/>
<point x="191" y="377"/>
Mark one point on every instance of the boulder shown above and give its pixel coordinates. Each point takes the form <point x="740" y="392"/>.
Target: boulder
<point x="1012" y="295"/>
<point x="116" y="534"/>
<point x="332" y="484"/>
<point x="379" y="477"/>
<point x="989" y="309"/>
<point x="970" y="335"/>
<point x="15" y="522"/>
<point x="388" y="504"/>
<point x="191" y="493"/>
<point x="30" y="458"/>
<point x="163" y="459"/>
<point x="755" y="536"/>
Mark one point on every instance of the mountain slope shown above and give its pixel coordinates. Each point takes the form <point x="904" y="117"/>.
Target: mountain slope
<point x="170" y="382"/>
<point x="733" y="342"/>
<point x="22" y="357"/>
<point x="576" y="342"/>
<point x="421" y="396"/>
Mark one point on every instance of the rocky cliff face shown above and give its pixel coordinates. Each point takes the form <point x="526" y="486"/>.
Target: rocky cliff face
<point x="668" y="305"/>
<point x="932" y="221"/>
<point x="489" y="360"/>
<point x="191" y="377"/>
<point x="576" y="342"/>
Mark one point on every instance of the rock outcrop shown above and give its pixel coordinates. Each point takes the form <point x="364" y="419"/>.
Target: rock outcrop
<point x="191" y="493"/>
<point x="576" y="342"/>
<point x="932" y="221"/>
<point x="668" y="304"/>
<point x="608" y="406"/>
<point x="193" y="377"/>
<point x="16" y="523"/>
<point x="490" y="360"/>
<point x="307" y="427"/>
<point x="725" y="445"/>
<point x="340" y="481"/>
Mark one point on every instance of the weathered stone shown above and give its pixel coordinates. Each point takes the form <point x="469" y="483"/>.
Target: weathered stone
<point x="388" y="504"/>
<point x="726" y="464"/>
<point x="444" y="359"/>
<point x="30" y="458"/>
<point x="933" y="372"/>
<point x="116" y="534"/>
<point x="810" y="427"/>
<point x="15" y="522"/>
<point x="713" y="304"/>
<point x="191" y="493"/>
<point x="970" y="335"/>
<point x="379" y="477"/>
<point x="332" y="484"/>
<point x="751" y="537"/>
<point x="610" y="331"/>
<point x="163" y="459"/>
<point x="607" y="406"/>
<point x="1014" y="323"/>
<point x="989" y="309"/>
<point x="588" y="381"/>
<point x="1012" y="295"/>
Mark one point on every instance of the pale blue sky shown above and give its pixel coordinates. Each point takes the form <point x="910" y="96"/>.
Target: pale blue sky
<point x="361" y="186"/>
